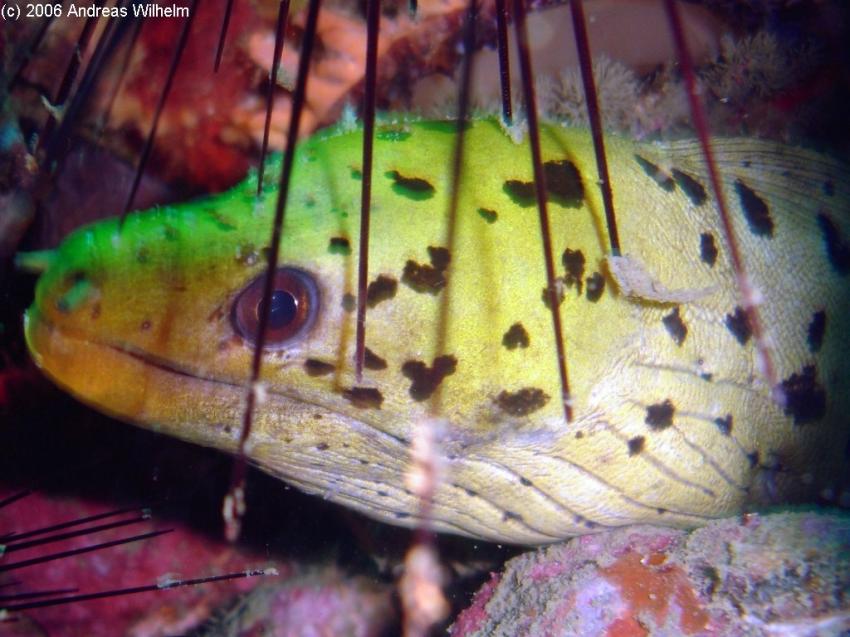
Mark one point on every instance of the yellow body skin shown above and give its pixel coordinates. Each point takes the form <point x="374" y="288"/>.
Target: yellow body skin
<point x="150" y="339"/>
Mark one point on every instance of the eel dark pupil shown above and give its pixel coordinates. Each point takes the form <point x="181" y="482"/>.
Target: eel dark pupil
<point x="293" y="306"/>
<point x="284" y="309"/>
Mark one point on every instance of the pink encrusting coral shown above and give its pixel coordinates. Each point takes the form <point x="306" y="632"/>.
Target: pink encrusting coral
<point x="754" y="576"/>
<point x="476" y="615"/>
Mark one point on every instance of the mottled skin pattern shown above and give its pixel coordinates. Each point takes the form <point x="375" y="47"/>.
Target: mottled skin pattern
<point x="673" y="422"/>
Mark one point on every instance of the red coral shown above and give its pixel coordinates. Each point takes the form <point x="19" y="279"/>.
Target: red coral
<point x="654" y="590"/>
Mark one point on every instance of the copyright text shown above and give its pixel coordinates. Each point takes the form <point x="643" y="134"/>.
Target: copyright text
<point x="13" y="11"/>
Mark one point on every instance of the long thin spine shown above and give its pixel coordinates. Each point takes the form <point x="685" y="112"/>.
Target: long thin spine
<point x="420" y="587"/>
<point x="32" y="47"/>
<point x="280" y="30"/>
<point x="79" y="551"/>
<point x="163" y="97"/>
<point x="71" y="71"/>
<point x="15" y="543"/>
<point x="456" y="175"/>
<point x="745" y="288"/>
<point x="14" y="498"/>
<point x="76" y="56"/>
<point x="372" y="28"/>
<point x="595" y="118"/>
<point x="9" y="537"/>
<point x="106" y="46"/>
<point x="125" y="64"/>
<point x="225" y="24"/>
<point x="504" y="60"/>
<point x="234" y="501"/>
<point x="148" y="588"/>
<point x="15" y="597"/>
<point x="521" y="34"/>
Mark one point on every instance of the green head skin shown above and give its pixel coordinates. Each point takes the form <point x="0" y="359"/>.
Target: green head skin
<point x="151" y="322"/>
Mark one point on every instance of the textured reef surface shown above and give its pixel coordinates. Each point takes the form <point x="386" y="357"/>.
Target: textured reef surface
<point x="779" y="574"/>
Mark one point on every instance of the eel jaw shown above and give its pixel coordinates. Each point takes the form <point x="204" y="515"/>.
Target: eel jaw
<point x="129" y="387"/>
<point x="135" y="387"/>
<point x="284" y="442"/>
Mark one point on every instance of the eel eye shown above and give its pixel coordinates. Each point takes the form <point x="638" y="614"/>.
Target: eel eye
<point x="293" y="308"/>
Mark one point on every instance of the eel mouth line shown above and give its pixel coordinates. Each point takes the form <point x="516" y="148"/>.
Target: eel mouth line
<point x="35" y="322"/>
<point x="40" y="330"/>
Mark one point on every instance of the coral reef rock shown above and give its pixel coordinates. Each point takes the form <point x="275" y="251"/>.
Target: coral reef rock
<point x="779" y="574"/>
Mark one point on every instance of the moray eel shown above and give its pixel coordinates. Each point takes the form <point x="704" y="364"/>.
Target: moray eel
<point x="674" y="423"/>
